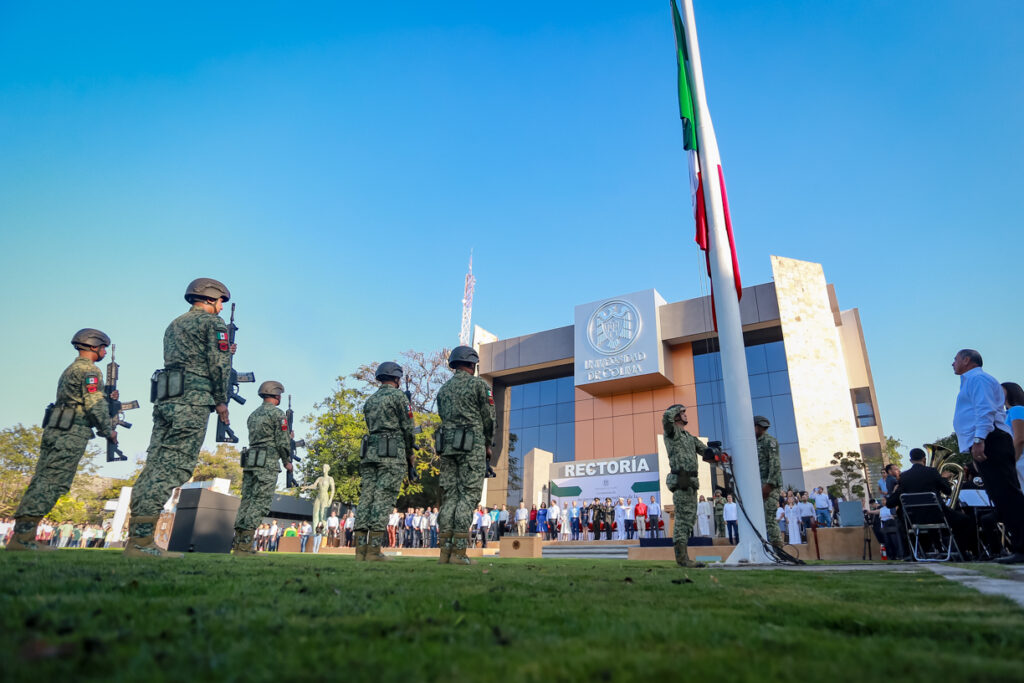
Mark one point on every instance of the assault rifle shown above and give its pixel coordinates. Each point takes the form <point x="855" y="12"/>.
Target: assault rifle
<point x="117" y="409"/>
<point x="293" y="445"/>
<point x="224" y="432"/>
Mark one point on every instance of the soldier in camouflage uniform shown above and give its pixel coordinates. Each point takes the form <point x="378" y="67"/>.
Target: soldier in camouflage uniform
<point x="771" y="476"/>
<point x="387" y="455"/>
<point x="719" y="516"/>
<point x="80" y="406"/>
<point x="197" y="356"/>
<point x="466" y="408"/>
<point x="269" y="441"/>
<point x="683" y="449"/>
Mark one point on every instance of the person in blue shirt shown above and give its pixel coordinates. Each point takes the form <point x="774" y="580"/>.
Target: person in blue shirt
<point x="574" y="521"/>
<point x="542" y="520"/>
<point x="1015" y="421"/>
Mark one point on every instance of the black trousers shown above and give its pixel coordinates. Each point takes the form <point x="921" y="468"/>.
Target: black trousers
<point x="1000" y="476"/>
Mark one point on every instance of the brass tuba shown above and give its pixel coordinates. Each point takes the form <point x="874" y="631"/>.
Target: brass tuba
<point x="940" y="458"/>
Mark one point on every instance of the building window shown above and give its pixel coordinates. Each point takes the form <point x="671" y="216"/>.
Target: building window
<point x="541" y="415"/>
<point x="862" y="407"/>
<point x="768" y="375"/>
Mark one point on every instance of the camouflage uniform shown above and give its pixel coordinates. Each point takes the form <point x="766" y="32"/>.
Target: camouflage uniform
<point x="388" y="418"/>
<point x="771" y="473"/>
<point x="197" y="342"/>
<point x="719" y="517"/>
<point x="464" y="402"/>
<point x="683" y="449"/>
<point x="81" y="386"/>
<point x="269" y="441"/>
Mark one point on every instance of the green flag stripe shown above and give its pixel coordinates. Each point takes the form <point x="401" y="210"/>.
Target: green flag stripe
<point x="565" y="491"/>
<point x="685" y="92"/>
<point x="646" y="486"/>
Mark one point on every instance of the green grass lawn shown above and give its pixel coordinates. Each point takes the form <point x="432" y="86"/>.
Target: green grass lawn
<point x="92" y="615"/>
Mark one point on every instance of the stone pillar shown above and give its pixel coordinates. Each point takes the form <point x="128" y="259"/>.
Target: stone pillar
<point x="536" y="476"/>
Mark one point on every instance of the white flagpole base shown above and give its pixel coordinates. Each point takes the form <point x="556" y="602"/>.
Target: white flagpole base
<point x="749" y="552"/>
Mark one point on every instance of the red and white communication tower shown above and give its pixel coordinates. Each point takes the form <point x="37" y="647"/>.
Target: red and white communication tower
<point x="467" y="305"/>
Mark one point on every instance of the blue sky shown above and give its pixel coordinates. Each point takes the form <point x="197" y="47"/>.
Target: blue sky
<point x="334" y="165"/>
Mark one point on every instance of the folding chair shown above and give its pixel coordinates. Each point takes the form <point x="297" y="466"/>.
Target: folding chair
<point x="923" y="512"/>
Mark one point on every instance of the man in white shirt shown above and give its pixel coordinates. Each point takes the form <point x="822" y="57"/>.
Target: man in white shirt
<point x="806" y="510"/>
<point x="730" y="515"/>
<point x="553" y="515"/>
<point x="522" y="519"/>
<point x="979" y="421"/>
<point x="574" y="521"/>
<point x="654" y="517"/>
<point x="620" y="520"/>
<point x="275" y="533"/>
<point x="305" y="531"/>
<point x="629" y="518"/>
<point x="433" y="527"/>
<point x="502" y="528"/>
<point x="822" y="507"/>
<point x="333" y="527"/>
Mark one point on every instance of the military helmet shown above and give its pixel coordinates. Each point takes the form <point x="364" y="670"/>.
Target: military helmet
<point x="90" y="337"/>
<point x="206" y="288"/>
<point x="762" y="421"/>
<point x="668" y="418"/>
<point x="463" y="354"/>
<point x="271" y="388"/>
<point x="388" y="370"/>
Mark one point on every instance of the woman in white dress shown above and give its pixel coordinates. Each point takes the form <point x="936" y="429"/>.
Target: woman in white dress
<point x="565" y="532"/>
<point x="703" y="517"/>
<point x="793" y="521"/>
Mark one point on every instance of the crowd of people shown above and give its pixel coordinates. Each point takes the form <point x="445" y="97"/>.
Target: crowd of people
<point x="60" y="534"/>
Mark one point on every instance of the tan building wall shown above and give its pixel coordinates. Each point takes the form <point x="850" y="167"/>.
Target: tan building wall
<point x="817" y="368"/>
<point x="628" y="424"/>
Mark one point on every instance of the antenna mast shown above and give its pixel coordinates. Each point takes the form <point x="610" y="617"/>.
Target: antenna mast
<point x="467" y="305"/>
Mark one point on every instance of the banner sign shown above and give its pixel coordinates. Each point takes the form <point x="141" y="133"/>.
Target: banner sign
<point x="583" y="480"/>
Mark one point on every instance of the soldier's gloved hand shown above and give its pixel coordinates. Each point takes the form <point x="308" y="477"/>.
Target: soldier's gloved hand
<point x="288" y="466"/>
<point x="233" y="348"/>
<point x="112" y="438"/>
<point x="222" y="413"/>
<point x="487" y="449"/>
<point x="115" y="394"/>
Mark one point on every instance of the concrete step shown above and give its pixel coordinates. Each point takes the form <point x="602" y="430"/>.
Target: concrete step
<point x="616" y="552"/>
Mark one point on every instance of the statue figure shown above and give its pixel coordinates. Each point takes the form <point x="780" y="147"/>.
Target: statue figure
<point x="324" y="495"/>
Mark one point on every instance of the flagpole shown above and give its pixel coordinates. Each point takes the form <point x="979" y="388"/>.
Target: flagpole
<point x="739" y="425"/>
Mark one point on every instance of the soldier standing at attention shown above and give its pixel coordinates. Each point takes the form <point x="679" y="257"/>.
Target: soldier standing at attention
<point x="192" y="384"/>
<point x="466" y="408"/>
<point x="771" y="475"/>
<point x="719" y="514"/>
<point x="683" y="449"/>
<point x="269" y="441"/>
<point x="67" y="427"/>
<point x="387" y="455"/>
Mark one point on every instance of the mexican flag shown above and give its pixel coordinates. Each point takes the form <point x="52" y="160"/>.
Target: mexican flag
<point x="700" y="159"/>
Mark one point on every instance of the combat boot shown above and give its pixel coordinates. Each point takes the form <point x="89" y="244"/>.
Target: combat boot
<point x="373" y="550"/>
<point x="444" y="542"/>
<point x="458" y="556"/>
<point x="683" y="558"/>
<point x="362" y="544"/>
<point x="243" y="542"/>
<point x="140" y="539"/>
<point x="24" y="537"/>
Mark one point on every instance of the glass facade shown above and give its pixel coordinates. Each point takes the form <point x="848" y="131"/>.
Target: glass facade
<point x="541" y="415"/>
<point x="770" y="394"/>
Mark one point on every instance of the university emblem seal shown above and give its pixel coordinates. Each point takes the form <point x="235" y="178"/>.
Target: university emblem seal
<point x="613" y="327"/>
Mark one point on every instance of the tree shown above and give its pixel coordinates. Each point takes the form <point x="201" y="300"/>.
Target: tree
<point x="70" y="508"/>
<point x="224" y="463"/>
<point x="892" y="450"/>
<point x="19" y="453"/>
<point x="849" y="474"/>
<point x="339" y="426"/>
<point x="953" y="444"/>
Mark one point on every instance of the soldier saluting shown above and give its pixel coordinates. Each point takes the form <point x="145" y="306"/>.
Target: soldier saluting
<point x="192" y="384"/>
<point x="80" y="407"/>
<point x="683" y="449"/>
<point x="385" y="458"/>
<point x="466" y="408"/>
<point x="269" y="440"/>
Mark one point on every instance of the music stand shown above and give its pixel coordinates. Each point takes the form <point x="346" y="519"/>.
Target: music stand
<point x="976" y="499"/>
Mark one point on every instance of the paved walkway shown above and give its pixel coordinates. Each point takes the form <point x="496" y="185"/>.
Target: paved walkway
<point x="1012" y="588"/>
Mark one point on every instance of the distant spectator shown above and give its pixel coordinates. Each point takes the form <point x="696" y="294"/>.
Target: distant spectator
<point x="392" y="528"/>
<point x="503" y="527"/>
<point x="729" y="514"/>
<point x="349" y="524"/>
<point x="822" y="507"/>
<point x="574" y="522"/>
<point x="333" y="530"/>
<point x="620" y="519"/>
<point x="806" y="509"/>
<point x="433" y="527"/>
<point x="1015" y="421"/>
<point x="553" y="514"/>
<point x="273" y="536"/>
<point x="542" y="520"/>
<point x="533" y="519"/>
<point x="792" y="521"/>
<point x="318" y="537"/>
<point x="704" y="513"/>
<point x="640" y="517"/>
<point x="305" y="531"/>
<point x="654" y="518"/>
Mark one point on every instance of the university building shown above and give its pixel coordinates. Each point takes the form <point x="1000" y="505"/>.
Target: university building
<point x="579" y="407"/>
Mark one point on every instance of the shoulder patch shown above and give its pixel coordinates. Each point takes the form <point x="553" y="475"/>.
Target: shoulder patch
<point x="490" y="397"/>
<point x="284" y="424"/>
<point x="92" y="383"/>
<point x="222" y="340"/>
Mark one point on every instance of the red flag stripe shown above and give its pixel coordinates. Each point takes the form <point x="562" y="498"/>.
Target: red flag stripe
<point x="728" y="230"/>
